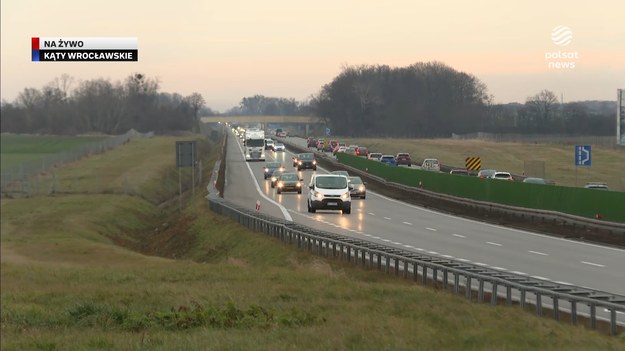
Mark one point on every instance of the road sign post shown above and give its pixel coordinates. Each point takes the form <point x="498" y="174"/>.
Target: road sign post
<point x="583" y="157"/>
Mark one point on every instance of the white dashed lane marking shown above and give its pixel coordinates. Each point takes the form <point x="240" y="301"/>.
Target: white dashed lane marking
<point x="431" y="229"/>
<point x="407" y="223"/>
<point x="593" y="264"/>
<point x="387" y="218"/>
<point x="538" y="253"/>
<point x="459" y="236"/>
<point x="492" y="243"/>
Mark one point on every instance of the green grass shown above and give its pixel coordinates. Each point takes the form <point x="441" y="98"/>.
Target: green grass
<point x="16" y="149"/>
<point x="69" y="282"/>
<point x="559" y="166"/>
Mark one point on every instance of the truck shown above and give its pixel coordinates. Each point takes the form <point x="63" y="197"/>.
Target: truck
<point x="254" y="145"/>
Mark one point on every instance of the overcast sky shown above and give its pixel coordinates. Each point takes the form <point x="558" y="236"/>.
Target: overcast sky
<point x="227" y="50"/>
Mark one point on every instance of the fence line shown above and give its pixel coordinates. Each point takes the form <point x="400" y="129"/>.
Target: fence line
<point x="474" y="282"/>
<point x="20" y="174"/>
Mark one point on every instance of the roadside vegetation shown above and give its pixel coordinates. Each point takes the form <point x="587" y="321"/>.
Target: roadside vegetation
<point x="121" y="271"/>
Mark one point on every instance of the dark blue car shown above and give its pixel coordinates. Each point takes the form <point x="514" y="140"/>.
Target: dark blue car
<point x="271" y="167"/>
<point x="389" y="160"/>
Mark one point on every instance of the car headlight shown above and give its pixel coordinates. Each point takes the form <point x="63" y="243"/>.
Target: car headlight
<point x="345" y="196"/>
<point x="280" y="184"/>
<point x="314" y="162"/>
<point x="361" y="188"/>
<point x="318" y="195"/>
<point x="299" y="162"/>
<point x="298" y="184"/>
<point x="266" y="170"/>
<point x="273" y="179"/>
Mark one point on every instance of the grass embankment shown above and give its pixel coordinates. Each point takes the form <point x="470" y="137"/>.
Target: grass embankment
<point x="559" y="159"/>
<point x="67" y="285"/>
<point x="15" y="149"/>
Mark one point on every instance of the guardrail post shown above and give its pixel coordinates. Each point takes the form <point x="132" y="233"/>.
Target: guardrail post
<point x="613" y="321"/>
<point x="468" y="287"/>
<point x="480" y="292"/>
<point x="493" y="296"/>
<point x="556" y="308"/>
<point x="539" y="304"/>
<point x="593" y="316"/>
<point x="405" y="269"/>
<point x="379" y="258"/>
<point x="415" y="271"/>
<point x="508" y="295"/>
<point x="396" y="264"/>
<point x="364" y="257"/>
<point x="424" y="275"/>
<point x="456" y="282"/>
<point x="341" y="252"/>
<point x="434" y="276"/>
<point x="349" y="253"/>
<point x="445" y="277"/>
<point x="574" y="312"/>
<point x="388" y="265"/>
<point x="522" y="299"/>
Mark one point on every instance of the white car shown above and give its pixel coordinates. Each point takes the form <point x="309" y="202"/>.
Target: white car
<point x="329" y="192"/>
<point x="502" y="176"/>
<point x="279" y="147"/>
<point x="431" y="164"/>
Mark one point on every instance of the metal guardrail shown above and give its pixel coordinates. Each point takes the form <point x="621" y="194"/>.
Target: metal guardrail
<point x="543" y="215"/>
<point x="471" y="280"/>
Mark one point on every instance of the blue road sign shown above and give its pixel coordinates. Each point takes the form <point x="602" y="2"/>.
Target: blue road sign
<point x="582" y="155"/>
<point x="328" y="131"/>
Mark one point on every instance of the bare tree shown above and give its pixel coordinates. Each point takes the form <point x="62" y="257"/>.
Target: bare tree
<point x="541" y="107"/>
<point x="197" y="102"/>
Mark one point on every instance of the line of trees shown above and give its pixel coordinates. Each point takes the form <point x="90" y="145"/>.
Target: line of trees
<point x="101" y="106"/>
<point x="260" y="105"/>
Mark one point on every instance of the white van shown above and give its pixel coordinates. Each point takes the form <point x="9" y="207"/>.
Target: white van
<point x="431" y="164"/>
<point x="329" y="192"/>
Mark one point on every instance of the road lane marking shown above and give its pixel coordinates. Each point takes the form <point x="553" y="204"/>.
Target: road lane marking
<point x="433" y="252"/>
<point x="619" y="312"/>
<point x="563" y="283"/>
<point x="283" y="209"/>
<point x="409" y="246"/>
<point x="447" y="256"/>
<point x="499" y="268"/>
<point x="386" y="240"/>
<point x="430" y="229"/>
<point x="537" y="253"/>
<point x="519" y="273"/>
<point x="463" y="260"/>
<point x="480" y="264"/>
<point x="493" y="225"/>
<point x="407" y="223"/>
<point x="540" y="278"/>
<point x="371" y="213"/>
<point x="593" y="264"/>
<point x="387" y="218"/>
<point x="459" y="236"/>
<point x="396" y="243"/>
<point x="492" y="243"/>
<point x="375" y="237"/>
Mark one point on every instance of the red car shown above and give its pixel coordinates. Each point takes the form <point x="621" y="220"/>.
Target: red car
<point x="403" y="158"/>
<point x="362" y="151"/>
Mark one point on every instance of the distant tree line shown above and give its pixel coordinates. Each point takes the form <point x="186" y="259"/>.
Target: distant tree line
<point x="434" y="100"/>
<point x="544" y="114"/>
<point x="259" y="105"/>
<point x="102" y="106"/>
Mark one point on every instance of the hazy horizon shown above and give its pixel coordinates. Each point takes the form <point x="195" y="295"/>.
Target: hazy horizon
<point x="227" y="51"/>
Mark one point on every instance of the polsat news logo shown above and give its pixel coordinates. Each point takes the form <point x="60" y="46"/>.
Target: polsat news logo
<point x="84" y="49"/>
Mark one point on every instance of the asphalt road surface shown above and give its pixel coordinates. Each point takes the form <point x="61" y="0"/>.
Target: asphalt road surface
<point x="393" y="223"/>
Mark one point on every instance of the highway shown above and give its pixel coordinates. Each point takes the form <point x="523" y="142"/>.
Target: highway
<point x="393" y="223"/>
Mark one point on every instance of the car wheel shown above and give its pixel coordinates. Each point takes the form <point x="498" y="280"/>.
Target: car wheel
<point x="314" y="168"/>
<point x="279" y="191"/>
<point x="308" y="206"/>
<point x="364" y="197"/>
<point x="409" y="165"/>
<point x="299" y="169"/>
<point x="273" y="185"/>
<point x="299" y="191"/>
<point x="347" y="210"/>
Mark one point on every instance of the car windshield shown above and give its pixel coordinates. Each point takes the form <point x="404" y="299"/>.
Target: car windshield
<point x="279" y="144"/>
<point x="273" y="165"/>
<point x="277" y="174"/>
<point x="387" y="158"/>
<point x="403" y="155"/>
<point x="502" y="175"/>
<point x="254" y="142"/>
<point x="341" y="173"/>
<point x="289" y="176"/>
<point x="331" y="182"/>
<point x="355" y="180"/>
<point x="305" y="156"/>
